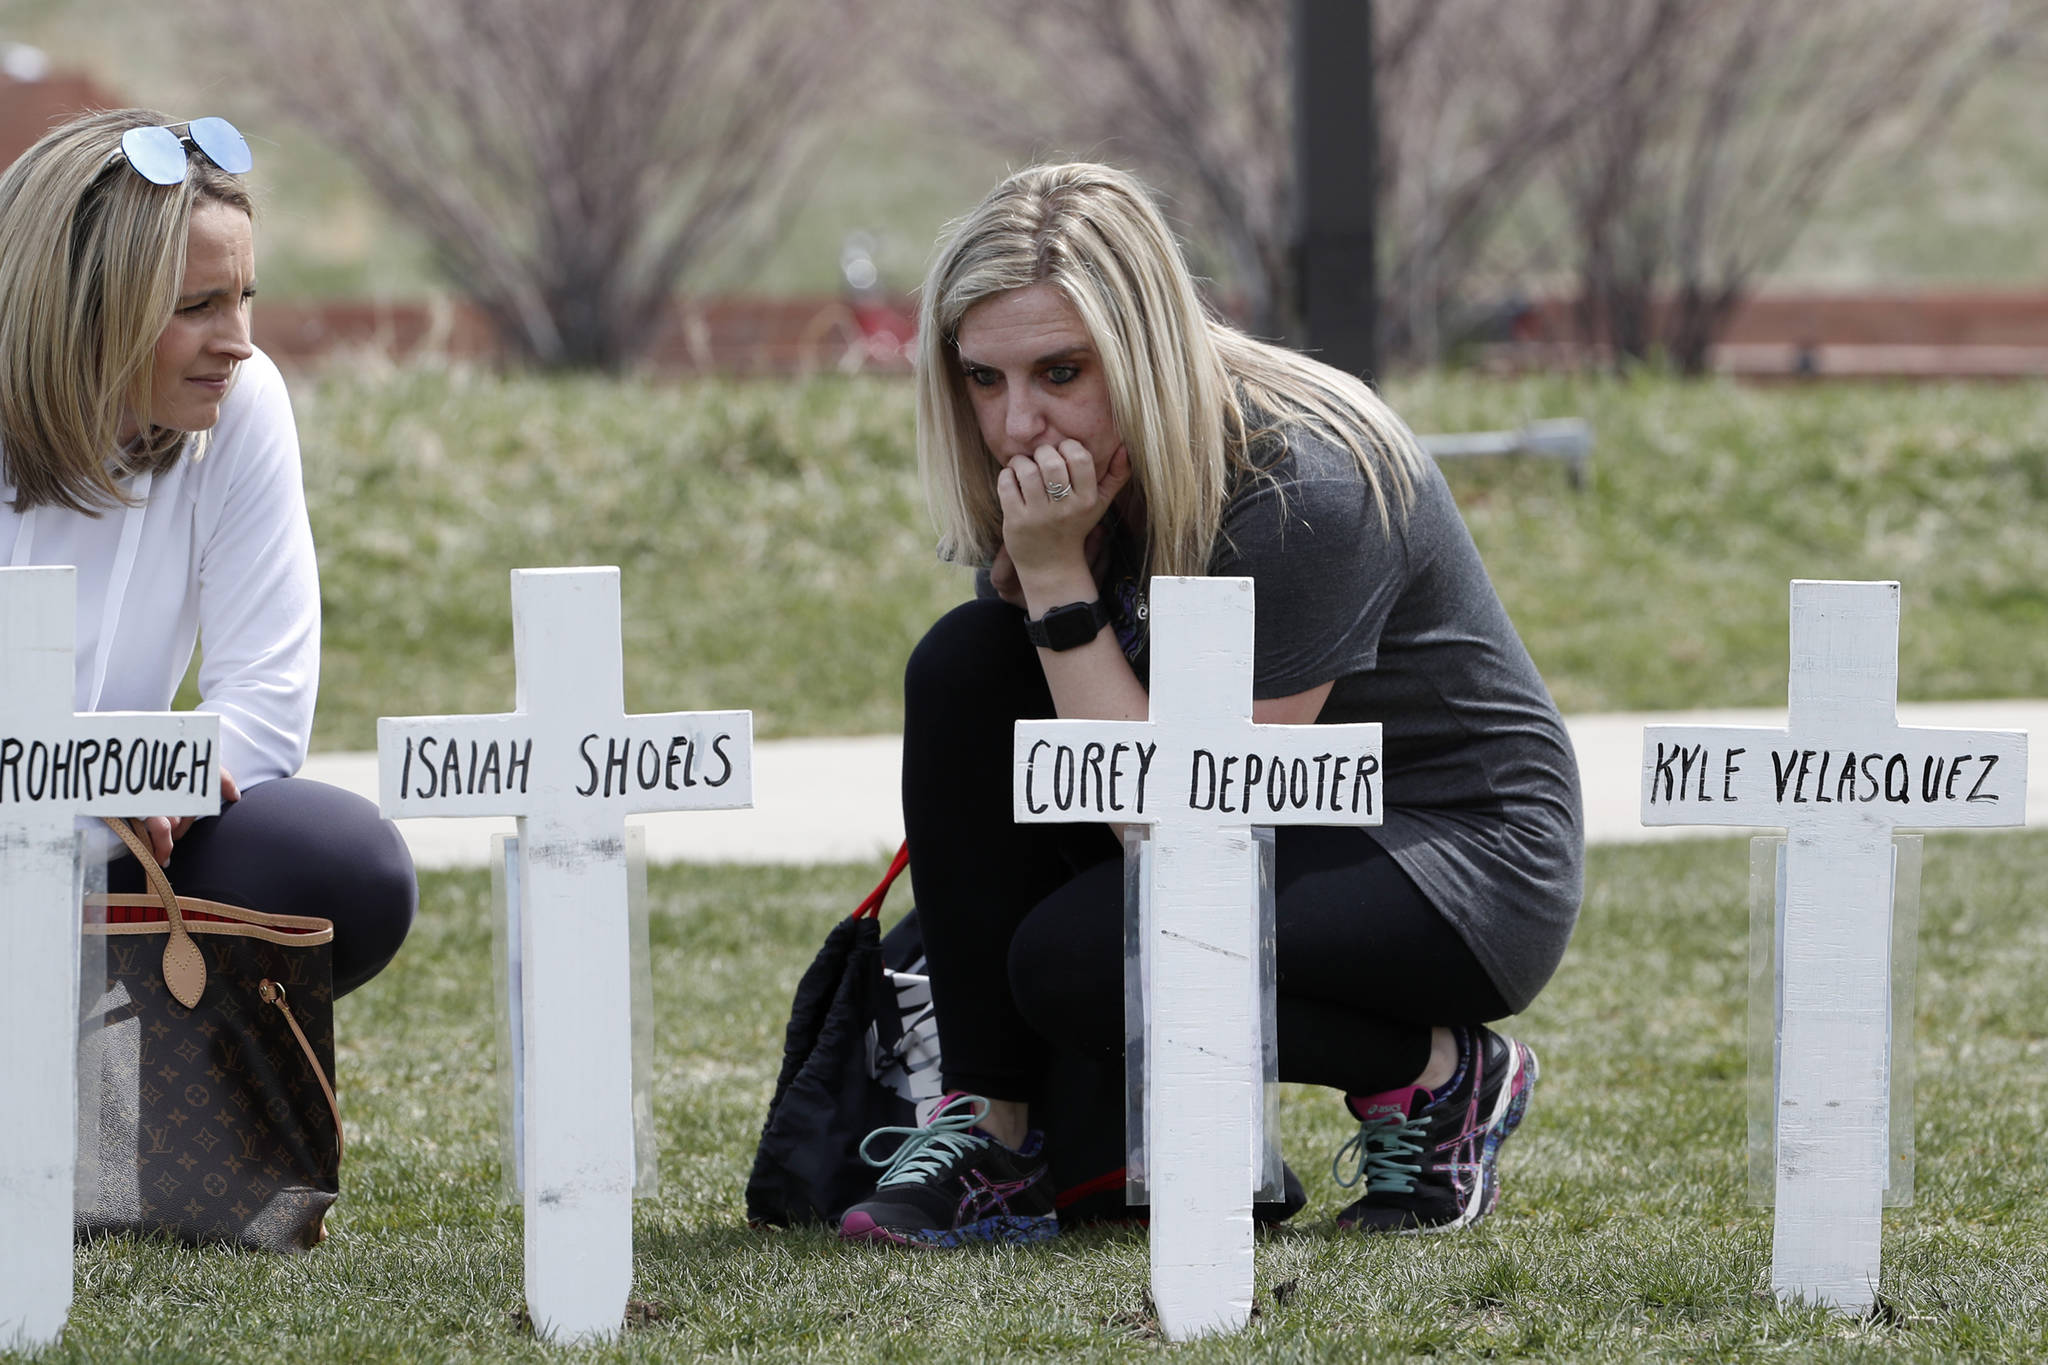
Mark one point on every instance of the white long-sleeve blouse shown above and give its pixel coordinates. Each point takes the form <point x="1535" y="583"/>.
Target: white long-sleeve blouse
<point x="219" y="554"/>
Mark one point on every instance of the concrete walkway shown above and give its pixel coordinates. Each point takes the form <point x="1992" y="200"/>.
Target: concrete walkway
<point x="835" y="800"/>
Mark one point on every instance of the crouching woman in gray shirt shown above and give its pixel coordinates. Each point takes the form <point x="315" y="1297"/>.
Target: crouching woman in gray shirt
<point x="1084" y="424"/>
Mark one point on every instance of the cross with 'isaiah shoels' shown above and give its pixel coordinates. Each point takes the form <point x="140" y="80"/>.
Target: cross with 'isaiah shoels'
<point x="571" y="765"/>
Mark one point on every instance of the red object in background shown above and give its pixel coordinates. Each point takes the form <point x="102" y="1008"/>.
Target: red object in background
<point x="887" y="328"/>
<point x="30" y="108"/>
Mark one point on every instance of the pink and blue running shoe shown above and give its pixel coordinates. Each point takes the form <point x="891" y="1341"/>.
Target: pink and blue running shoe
<point x="1429" y="1162"/>
<point x="949" y="1184"/>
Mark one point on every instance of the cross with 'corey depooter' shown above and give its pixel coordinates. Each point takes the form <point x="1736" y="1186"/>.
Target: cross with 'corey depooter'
<point x="1201" y="774"/>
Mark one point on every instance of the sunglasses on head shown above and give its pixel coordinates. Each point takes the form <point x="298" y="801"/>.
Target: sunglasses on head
<point x="158" y="154"/>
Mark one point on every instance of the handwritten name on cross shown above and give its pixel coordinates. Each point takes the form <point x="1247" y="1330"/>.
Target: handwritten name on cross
<point x="54" y="767"/>
<point x="571" y="765"/>
<point x="1201" y="774"/>
<point x="1839" y="778"/>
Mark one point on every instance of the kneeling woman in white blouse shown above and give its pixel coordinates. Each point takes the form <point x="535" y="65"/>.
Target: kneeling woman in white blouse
<point x="144" y="440"/>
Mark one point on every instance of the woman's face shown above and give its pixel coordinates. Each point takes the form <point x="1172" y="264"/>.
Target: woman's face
<point x="208" y="335"/>
<point x="1034" y="376"/>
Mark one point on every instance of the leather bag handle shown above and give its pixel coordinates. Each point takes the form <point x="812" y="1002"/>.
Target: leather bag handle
<point x="273" y="994"/>
<point x="184" y="964"/>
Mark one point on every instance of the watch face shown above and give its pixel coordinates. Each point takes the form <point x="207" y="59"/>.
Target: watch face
<point x="1071" y="626"/>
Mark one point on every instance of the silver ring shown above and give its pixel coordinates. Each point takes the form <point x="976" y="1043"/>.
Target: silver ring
<point x="1056" y="491"/>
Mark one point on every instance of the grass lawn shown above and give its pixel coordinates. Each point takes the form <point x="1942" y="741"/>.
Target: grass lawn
<point x="1665" y="583"/>
<point x="1623" y="1234"/>
<point x="776" y="553"/>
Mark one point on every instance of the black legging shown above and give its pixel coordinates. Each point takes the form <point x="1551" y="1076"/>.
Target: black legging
<point x="297" y="847"/>
<point x="1023" y="924"/>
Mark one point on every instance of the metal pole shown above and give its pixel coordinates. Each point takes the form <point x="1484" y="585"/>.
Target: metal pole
<point x="1336" y="285"/>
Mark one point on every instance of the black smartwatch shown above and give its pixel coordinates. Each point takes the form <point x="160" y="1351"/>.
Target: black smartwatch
<point x="1069" y="626"/>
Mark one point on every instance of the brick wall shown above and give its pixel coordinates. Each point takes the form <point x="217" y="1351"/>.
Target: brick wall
<point x="1967" y="334"/>
<point x="28" y="109"/>
<point x="1897" y="334"/>
<point x="720" y="335"/>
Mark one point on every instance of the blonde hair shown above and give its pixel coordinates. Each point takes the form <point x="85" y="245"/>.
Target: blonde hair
<point x="1190" y="394"/>
<point x="92" y="256"/>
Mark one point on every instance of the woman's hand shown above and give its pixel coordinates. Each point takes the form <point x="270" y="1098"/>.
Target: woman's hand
<point x="164" y="831"/>
<point x="1047" y="538"/>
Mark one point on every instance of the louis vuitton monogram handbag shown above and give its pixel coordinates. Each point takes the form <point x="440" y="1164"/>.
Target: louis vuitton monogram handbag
<point x="206" y="1111"/>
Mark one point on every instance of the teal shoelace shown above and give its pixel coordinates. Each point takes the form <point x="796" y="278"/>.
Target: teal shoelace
<point x="927" y="1150"/>
<point x="1377" y="1155"/>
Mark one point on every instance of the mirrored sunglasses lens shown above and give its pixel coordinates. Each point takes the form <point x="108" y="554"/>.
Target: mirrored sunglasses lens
<point x="223" y="144"/>
<point x="156" y="154"/>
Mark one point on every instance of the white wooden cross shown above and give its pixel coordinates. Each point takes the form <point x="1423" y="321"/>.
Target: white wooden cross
<point x="55" y="766"/>
<point x="1839" y="778"/>
<point x="571" y="764"/>
<point x="1201" y="774"/>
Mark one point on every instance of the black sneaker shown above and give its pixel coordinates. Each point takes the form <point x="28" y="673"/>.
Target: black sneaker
<point x="949" y="1184"/>
<point x="1428" y="1160"/>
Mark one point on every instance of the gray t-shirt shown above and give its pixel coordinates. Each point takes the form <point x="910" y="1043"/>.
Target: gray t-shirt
<point x="1482" y="788"/>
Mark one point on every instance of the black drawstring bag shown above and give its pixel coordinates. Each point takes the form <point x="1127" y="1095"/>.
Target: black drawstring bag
<point x="862" y="1051"/>
<point x="829" y="1095"/>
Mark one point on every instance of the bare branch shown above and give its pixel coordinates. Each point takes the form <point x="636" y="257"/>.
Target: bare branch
<point x="568" y="160"/>
<point x="1700" y="173"/>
